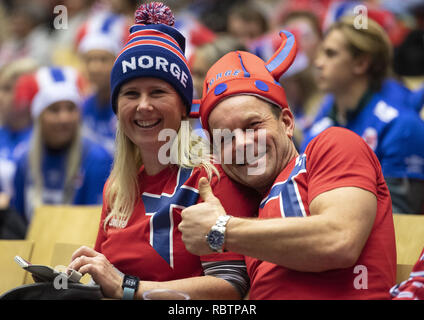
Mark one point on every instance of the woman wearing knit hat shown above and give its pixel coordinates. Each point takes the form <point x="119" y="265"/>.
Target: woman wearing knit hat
<point x="156" y="175"/>
<point x="325" y="227"/>
<point x="57" y="166"/>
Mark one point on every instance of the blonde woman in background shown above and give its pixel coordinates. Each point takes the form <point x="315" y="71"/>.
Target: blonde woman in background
<point x="15" y="123"/>
<point x="58" y="166"/>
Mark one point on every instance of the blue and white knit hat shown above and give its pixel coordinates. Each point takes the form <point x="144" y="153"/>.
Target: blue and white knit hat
<point x="154" y="49"/>
<point x="49" y="85"/>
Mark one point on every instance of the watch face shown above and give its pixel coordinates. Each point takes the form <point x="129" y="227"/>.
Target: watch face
<point x="130" y="282"/>
<point x="215" y="239"/>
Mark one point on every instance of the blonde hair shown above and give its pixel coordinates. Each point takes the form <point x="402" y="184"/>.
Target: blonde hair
<point x="73" y="162"/>
<point x="187" y="150"/>
<point x="372" y="41"/>
<point x="12" y="71"/>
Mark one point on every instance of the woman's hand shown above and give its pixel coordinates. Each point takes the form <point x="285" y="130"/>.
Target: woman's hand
<point x="86" y="260"/>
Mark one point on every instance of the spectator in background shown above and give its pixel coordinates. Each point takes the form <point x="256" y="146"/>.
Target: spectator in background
<point x="353" y="65"/>
<point x="12" y="225"/>
<point x="203" y="58"/>
<point x="15" y="118"/>
<point x="246" y="22"/>
<point x="58" y="166"/>
<point x="27" y="34"/>
<point x="8" y="76"/>
<point x="64" y="37"/>
<point x="409" y="65"/>
<point x="214" y="14"/>
<point x="303" y="96"/>
<point x="123" y="7"/>
<point x="299" y="81"/>
<point x="308" y="31"/>
<point x="194" y="31"/>
<point x="206" y="55"/>
<point x="101" y="39"/>
<point x="3" y="23"/>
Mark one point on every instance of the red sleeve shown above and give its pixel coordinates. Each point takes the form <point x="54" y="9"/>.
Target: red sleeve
<point x="238" y="201"/>
<point x="340" y="158"/>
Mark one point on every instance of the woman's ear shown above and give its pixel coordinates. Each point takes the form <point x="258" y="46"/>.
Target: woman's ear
<point x="184" y="112"/>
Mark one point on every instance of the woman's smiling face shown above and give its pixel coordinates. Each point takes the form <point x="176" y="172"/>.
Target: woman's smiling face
<point x="145" y="107"/>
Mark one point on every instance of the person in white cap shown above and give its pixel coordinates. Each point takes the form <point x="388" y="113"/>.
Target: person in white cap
<point x="100" y="40"/>
<point x="58" y="166"/>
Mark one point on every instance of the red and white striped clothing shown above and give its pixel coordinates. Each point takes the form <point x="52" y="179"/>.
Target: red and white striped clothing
<point x="413" y="288"/>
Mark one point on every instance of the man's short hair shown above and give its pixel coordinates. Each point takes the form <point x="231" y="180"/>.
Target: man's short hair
<point x="276" y="110"/>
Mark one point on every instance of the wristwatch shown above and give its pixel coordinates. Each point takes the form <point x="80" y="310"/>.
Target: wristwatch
<point x="216" y="235"/>
<point x="130" y="286"/>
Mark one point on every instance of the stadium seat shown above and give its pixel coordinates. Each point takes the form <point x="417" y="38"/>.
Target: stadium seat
<point x="11" y="274"/>
<point x="61" y="256"/>
<point x="403" y="271"/>
<point x="76" y="225"/>
<point x="409" y="232"/>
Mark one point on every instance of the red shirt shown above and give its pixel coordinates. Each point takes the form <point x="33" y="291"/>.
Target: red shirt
<point x="336" y="158"/>
<point x="150" y="245"/>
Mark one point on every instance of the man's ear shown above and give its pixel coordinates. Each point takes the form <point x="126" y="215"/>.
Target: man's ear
<point x="361" y="64"/>
<point x="287" y="118"/>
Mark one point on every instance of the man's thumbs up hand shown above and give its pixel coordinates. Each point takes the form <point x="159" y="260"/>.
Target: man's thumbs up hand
<point x="206" y="193"/>
<point x="198" y="219"/>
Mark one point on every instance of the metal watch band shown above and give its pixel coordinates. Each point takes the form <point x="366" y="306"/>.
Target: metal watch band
<point x="220" y="227"/>
<point x="221" y="222"/>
